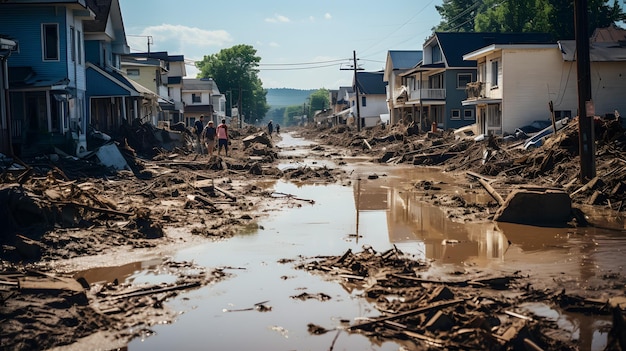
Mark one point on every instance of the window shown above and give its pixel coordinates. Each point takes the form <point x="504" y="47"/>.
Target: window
<point x="468" y="114"/>
<point x="436" y="81"/>
<point x="50" y="41"/>
<point x="462" y="79"/>
<point x="132" y="72"/>
<point x="494" y="74"/>
<point x="455" y="114"/>
<point x="363" y="101"/>
<point x="73" y="44"/>
<point x="79" y="52"/>
<point x="195" y="98"/>
<point x="437" y="57"/>
<point x="482" y="72"/>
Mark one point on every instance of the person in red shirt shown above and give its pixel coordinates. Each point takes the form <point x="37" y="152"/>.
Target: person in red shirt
<point x="222" y="137"/>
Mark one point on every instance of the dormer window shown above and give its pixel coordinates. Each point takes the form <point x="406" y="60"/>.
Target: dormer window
<point x="437" y="56"/>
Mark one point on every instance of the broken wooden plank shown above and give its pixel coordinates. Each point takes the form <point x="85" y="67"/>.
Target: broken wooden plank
<point x="225" y="192"/>
<point x="156" y="290"/>
<point x="203" y="184"/>
<point x="435" y="306"/>
<point x="28" y="283"/>
<point x="491" y="191"/>
<point x="367" y="144"/>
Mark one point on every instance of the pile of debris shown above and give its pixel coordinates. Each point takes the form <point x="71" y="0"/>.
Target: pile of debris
<point x="505" y="161"/>
<point x="458" y="313"/>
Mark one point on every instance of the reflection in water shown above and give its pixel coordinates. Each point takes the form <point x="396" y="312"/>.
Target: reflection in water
<point x="410" y="220"/>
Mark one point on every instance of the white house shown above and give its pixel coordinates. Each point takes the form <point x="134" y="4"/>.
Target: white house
<point x="516" y="83"/>
<point x="372" y="98"/>
<point x="202" y="97"/>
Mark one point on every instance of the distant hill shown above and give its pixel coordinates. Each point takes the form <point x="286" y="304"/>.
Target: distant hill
<point x="283" y="97"/>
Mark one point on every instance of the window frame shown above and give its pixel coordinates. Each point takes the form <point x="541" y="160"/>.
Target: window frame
<point x="195" y="97"/>
<point x="45" y="42"/>
<point x="133" y="70"/>
<point x="472" y="114"/>
<point x="495" y="67"/>
<point x="458" y="80"/>
<point x="455" y="114"/>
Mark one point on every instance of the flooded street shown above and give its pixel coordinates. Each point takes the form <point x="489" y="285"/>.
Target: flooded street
<point x="258" y="308"/>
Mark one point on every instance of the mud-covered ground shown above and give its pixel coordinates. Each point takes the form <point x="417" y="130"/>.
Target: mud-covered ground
<point x="64" y="216"/>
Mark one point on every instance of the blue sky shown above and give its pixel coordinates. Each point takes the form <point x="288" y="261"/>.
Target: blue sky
<point x="302" y="46"/>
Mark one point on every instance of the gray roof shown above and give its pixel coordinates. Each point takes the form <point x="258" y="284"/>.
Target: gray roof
<point x="371" y="83"/>
<point x="403" y="59"/>
<point x="598" y="52"/>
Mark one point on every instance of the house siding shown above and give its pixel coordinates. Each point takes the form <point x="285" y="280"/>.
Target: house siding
<point x="608" y="87"/>
<point x="454" y="97"/>
<point x="25" y="27"/>
<point x="527" y="92"/>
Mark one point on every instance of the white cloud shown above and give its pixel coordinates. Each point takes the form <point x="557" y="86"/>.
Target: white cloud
<point x="274" y="44"/>
<point x="277" y="18"/>
<point x="169" y="37"/>
<point x="327" y="16"/>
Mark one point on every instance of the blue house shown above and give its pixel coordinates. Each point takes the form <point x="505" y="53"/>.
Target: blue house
<point x="6" y="48"/>
<point x="436" y="86"/>
<point x="46" y="73"/>
<point x="113" y="99"/>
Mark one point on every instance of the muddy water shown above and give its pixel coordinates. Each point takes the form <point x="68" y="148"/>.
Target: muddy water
<point x="379" y="212"/>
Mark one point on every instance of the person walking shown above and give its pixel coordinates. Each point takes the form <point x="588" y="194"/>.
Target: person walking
<point x="270" y="128"/>
<point x="199" y="127"/>
<point x="277" y="129"/>
<point x="222" y="137"/>
<point x="208" y="135"/>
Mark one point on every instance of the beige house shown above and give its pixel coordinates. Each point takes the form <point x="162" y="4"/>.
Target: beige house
<point x="517" y="83"/>
<point x="397" y="63"/>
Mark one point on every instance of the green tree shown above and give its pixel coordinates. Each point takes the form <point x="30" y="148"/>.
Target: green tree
<point x="235" y="70"/>
<point x="318" y="100"/>
<point x="550" y="16"/>
<point x="291" y="112"/>
<point x="457" y="15"/>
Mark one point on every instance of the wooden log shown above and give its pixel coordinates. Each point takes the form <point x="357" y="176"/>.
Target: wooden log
<point x="225" y="192"/>
<point x="494" y="194"/>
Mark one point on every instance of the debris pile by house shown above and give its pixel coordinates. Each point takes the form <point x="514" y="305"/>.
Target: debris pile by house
<point x="503" y="162"/>
<point x="466" y="311"/>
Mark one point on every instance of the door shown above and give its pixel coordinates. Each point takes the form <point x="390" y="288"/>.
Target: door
<point x="494" y="119"/>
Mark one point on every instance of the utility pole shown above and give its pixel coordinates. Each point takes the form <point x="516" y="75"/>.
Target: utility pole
<point x="586" y="110"/>
<point x="356" y="90"/>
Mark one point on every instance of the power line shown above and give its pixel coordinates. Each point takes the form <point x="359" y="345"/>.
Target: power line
<point x="302" y="63"/>
<point x="295" y="68"/>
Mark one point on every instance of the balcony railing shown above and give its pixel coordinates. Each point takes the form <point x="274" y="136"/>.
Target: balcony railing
<point x="475" y="90"/>
<point x="427" y="94"/>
